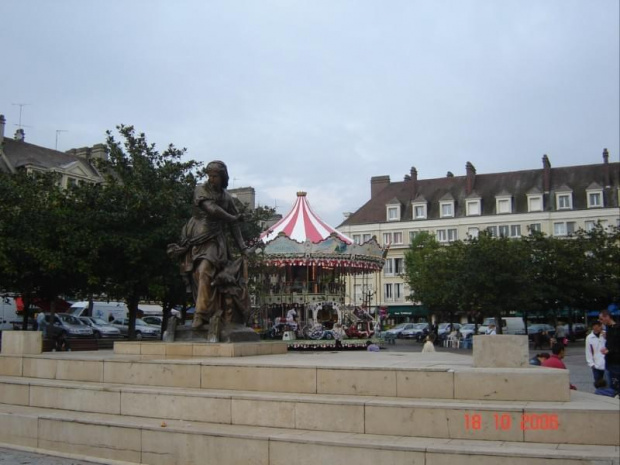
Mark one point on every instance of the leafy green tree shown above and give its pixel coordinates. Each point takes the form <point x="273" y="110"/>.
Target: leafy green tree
<point x="36" y="224"/>
<point x="140" y="210"/>
<point x="433" y="273"/>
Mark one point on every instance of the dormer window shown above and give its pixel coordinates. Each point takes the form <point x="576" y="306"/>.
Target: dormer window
<point x="534" y="203"/>
<point x="393" y="210"/>
<point x="503" y="204"/>
<point x="447" y="209"/>
<point x="419" y="208"/>
<point x="473" y="207"/>
<point x="564" y="198"/>
<point x="594" y="194"/>
<point x="564" y="201"/>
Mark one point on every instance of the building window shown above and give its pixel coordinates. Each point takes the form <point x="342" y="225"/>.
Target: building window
<point x="515" y="230"/>
<point x="503" y="206"/>
<point x="366" y="238"/>
<point x="473" y="232"/>
<point x="534" y="203"/>
<point x="595" y="199"/>
<point x="357" y="239"/>
<point x="447" y="209"/>
<point x="492" y="230"/>
<point x="413" y="235"/>
<point x="419" y="212"/>
<point x="564" y="201"/>
<point x="503" y="230"/>
<point x="534" y="227"/>
<point x="398" y="238"/>
<point x="393" y="213"/>
<point x="398" y="266"/>
<point x="387" y="293"/>
<point x="446" y="235"/>
<point x="72" y="182"/>
<point x="473" y="207"/>
<point x="388" y="267"/>
<point x="398" y="291"/>
<point x="563" y="228"/>
<point x="589" y="225"/>
<point x="387" y="238"/>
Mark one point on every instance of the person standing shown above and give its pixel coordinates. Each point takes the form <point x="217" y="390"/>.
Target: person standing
<point x="560" y="334"/>
<point x="594" y="357"/>
<point x="612" y="348"/>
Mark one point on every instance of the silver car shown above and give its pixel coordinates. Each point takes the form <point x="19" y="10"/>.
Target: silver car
<point x="143" y="330"/>
<point x="101" y="329"/>
<point x="67" y="326"/>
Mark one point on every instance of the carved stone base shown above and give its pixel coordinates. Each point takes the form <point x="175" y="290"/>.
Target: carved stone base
<point x="229" y="333"/>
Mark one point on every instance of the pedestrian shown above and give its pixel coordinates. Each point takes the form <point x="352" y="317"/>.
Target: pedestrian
<point x="41" y="325"/>
<point x="429" y="345"/>
<point x="491" y="330"/>
<point x="555" y="361"/>
<point x="611" y="349"/>
<point x="370" y="347"/>
<point x="538" y="359"/>
<point x="595" y="359"/>
<point x="560" y="334"/>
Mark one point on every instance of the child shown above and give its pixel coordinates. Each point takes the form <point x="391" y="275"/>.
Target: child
<point x="429" y="345"/>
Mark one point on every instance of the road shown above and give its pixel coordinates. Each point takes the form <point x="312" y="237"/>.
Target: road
<point x="580" y="376"/>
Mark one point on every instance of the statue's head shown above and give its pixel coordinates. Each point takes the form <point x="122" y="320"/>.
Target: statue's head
<point x="219" y="167"/>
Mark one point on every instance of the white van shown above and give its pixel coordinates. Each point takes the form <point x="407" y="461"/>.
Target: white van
<point x="107" y="311"/>
<point x="8" y="313"/>
<point x="510" y="325"/>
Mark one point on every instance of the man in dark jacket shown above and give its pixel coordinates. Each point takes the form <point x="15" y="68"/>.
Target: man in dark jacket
<point x="612" y="348"/>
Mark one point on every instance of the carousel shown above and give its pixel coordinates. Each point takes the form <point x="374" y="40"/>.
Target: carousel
<point x="307" y="262"/>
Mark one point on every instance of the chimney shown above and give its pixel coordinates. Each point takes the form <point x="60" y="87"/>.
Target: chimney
<point x="607" y="172"/>
<point x="414" y="182"/>
<point x="2" y="125"/>
<point x="20" y="135"/>
<point x="377" y="184"/>
<point x="471" y="177"/>
<point x="98" y="152"/>
<point x="546" y="174"/>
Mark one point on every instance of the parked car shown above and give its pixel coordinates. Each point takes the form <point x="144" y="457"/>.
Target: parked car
<point x="579" y="331"/>
<point x="468" y="329"/>
<point x="153" y="320"/>
<point x="68" y="326"/>
<point x="101" y="329"/>
<point x="536" y="328"/>
<point x="418" y="332"/>
<point x="398" y="329"/>
<point x="143" y="330"/>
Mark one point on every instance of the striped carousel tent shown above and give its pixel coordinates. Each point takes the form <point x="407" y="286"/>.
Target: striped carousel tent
<point x="301" y="224"/>
<point x="301" y="238"/>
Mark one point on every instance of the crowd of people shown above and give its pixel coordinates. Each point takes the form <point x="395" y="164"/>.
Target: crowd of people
<point x="602" y="353"/>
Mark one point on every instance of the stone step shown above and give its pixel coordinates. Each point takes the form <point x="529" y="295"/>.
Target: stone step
<point x="177" y="442"/>
<point x="585" y="419"/>
<point x="438" y="376"/>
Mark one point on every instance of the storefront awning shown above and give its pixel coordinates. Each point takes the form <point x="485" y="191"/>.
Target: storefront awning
<point x="407" y="310"/>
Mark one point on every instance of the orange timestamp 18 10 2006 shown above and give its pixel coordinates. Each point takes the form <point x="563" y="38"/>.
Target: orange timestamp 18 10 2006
<point x="504" y="421"/>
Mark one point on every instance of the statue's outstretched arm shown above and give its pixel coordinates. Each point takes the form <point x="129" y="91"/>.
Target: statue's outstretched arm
<point x="214" y="210"/>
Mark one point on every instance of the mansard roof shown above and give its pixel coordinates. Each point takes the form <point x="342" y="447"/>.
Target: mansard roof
<point x="487" y="186"/>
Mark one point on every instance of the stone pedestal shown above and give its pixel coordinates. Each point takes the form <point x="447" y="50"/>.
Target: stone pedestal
<point x="501" y="351"/>
<point x="22" y="342"/>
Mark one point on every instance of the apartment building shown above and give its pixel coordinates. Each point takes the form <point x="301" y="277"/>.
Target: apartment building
<point x="555" y="201"/>
<point x="74" y="166"/>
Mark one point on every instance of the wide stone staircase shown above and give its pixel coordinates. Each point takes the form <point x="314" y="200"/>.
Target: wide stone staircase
<point x="150" y="406"/>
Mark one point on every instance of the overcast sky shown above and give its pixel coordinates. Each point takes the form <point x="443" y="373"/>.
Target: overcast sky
<point x="321" y="95"/>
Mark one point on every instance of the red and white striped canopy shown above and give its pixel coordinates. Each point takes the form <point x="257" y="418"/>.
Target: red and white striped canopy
<point x="301" y="224"/>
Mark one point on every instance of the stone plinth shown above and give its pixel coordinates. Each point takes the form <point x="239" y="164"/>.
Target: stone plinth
<point x="22" y="342"/>
<point x="199" y="349"/>
<point x="501" y="351"/>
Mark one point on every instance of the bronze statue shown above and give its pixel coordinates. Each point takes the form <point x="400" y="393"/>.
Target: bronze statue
<point x="218" y="284"/>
